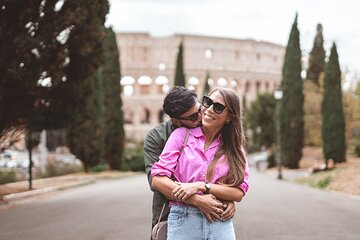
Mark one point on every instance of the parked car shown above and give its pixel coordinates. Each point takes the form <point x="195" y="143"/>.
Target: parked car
<point x="16" y="159"/>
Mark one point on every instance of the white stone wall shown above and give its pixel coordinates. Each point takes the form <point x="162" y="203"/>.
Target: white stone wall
<point x="250" y="67"/>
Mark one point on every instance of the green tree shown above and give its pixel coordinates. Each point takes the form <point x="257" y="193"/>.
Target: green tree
<point x="317" y="57"/>
<point x="30" y="53"/>
<point x="333" y="121"/>
<point x="179" y="74"/>
<point x="43" y="49"/>
<point x="206" y="84"/>
<point x="312" y="113"/>
<point x="85" y="133"/>
<point x="114" y="120"/>
<point x="291" y="111"/>
<point x="260" y="119"/>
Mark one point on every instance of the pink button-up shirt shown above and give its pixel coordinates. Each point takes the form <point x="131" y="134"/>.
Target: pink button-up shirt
<point x="194" y="160"/>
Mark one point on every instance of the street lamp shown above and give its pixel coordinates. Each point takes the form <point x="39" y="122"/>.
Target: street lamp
<point x="278" y="95"/>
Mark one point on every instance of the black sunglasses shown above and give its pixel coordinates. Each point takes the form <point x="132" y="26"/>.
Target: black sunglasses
<point x="193" y="117"/>
<point x="217" y="107"/>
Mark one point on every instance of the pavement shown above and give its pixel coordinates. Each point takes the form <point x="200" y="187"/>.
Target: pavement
<point x="11" y="192"/>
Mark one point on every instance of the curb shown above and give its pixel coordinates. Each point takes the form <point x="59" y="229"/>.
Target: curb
<point x="77" y="183"/>
<point x="21" y="195"/>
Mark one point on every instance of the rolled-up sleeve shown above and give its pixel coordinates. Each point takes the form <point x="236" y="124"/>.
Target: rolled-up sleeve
<point x="169" y="156"/>
<point x="244" y="186"/>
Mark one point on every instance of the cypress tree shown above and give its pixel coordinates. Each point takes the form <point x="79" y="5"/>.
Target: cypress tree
<point x="291" y="111"/>
<point x="84" y="84"/>
<point x="317" y="57"/>
<point x="114" y="120"/>
<point x="333" y="120"/>
<point x="206" y="84"/>
<point x="179" y="74"/>
<point x="86" y="130"/>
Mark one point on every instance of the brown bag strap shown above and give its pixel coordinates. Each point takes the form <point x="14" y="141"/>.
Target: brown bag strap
<point x="182" y="148"/>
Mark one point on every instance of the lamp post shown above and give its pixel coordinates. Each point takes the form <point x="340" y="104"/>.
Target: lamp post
<point x="278" y="95"/>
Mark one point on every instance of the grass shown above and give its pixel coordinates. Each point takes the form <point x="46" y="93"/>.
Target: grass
<point x="323" y="183"/>
<point x="342" y="178"/>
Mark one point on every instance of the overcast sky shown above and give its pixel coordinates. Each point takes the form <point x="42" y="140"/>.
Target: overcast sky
<point x="264" y="20"/>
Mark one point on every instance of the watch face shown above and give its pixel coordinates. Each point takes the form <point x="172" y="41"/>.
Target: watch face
<point x="207" y="185"/>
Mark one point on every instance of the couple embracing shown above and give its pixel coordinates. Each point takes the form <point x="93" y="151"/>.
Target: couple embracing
<point x="196" y="164"/>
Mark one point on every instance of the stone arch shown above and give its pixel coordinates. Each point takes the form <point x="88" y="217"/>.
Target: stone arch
<point x="193" y="83"/>
<point x="127" y="85"/>
<point x="128" y="115"/>
<point x="145" y="116"/>
<point x="257" y="86"/>
<point x="222" y="82"/>
<point x="144" y="83"/>
<point x="247" y="86"/>
<point x="162" y="84"/>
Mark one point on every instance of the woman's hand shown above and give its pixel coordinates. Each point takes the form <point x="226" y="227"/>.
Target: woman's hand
<point x="186" y="190"/>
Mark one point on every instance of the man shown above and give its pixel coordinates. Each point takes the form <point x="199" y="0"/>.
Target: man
<point x="184" y="111"/>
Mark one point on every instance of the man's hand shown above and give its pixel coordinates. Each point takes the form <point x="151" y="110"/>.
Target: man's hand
<point x="209" y="206"/>
<point x="229" y="211"/>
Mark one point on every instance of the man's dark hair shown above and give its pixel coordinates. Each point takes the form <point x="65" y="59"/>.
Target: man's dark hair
<point x="178" y="101"/>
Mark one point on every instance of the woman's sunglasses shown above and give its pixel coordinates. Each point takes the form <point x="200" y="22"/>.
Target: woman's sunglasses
<point x="217" y="107"/>
<point x="193" y="117"/>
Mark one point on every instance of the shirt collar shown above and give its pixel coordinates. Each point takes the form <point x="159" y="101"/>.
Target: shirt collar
<point x="197" y="132"/>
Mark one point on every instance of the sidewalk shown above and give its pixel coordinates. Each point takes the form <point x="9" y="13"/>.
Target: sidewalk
<point x="19" y="190"/>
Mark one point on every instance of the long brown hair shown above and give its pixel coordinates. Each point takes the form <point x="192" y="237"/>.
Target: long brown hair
<point x="232" y="145"/>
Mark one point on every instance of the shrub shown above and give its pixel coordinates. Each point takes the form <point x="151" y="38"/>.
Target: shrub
<point x="99" y="168"/>
<point x="7" y="177"/>
<point x="357" y="150"/>
<point x="58" y="168"/>
<point x="134" y="159"/>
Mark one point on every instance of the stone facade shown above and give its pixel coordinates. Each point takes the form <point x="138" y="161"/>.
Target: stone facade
<point x="148" y="68"/>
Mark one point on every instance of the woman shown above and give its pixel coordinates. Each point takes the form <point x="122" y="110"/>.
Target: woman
<point x="212" y="162"/>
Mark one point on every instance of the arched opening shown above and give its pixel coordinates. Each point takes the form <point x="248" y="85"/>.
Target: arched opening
<point x="193" y="83"/>
<point x="144" y="84"/>
<point x="127" y="85"/>
<point x="145" y="116"/>
<point x="160" y="82"/>
<point x="128" y="115"/>
<point x="222" y="82"/>
<point x="257" y="86"/>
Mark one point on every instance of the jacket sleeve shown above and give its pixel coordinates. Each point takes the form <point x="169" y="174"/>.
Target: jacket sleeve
<point x="152" y="151"/>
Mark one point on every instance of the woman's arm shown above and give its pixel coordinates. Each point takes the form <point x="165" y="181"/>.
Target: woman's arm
<point x="225" y="192"/>
<point x="208" y="204"/>
<point x="185" y="190"/>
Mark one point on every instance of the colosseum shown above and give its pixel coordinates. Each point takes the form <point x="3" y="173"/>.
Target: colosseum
<point x="148" y="69"/>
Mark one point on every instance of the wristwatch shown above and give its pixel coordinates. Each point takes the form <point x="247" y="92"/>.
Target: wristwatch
<point x="207" y="188"/>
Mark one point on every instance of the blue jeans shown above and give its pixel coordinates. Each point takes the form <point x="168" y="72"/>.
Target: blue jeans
<point x="186" y="223"/>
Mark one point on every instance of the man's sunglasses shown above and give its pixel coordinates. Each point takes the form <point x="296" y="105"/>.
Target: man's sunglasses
<point x="217" y="107"/>
<point x="193" y="117"/>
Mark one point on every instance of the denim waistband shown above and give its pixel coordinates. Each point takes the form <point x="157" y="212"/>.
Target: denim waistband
<point x="186" y="209"/>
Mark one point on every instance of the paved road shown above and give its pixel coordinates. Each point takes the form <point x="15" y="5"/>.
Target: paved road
<point x="120" y="209"/>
